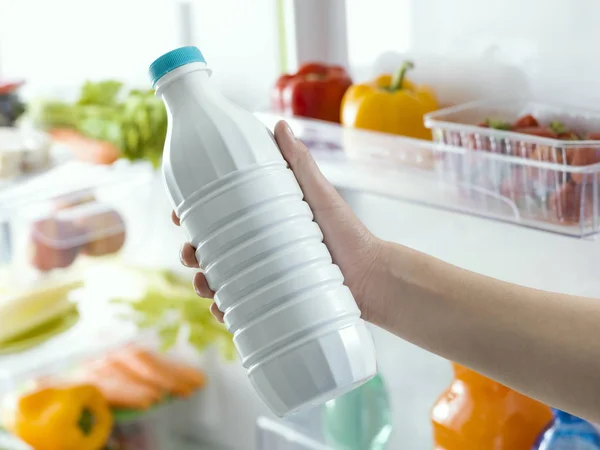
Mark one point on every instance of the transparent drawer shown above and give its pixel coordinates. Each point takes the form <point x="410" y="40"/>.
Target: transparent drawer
<point x="543" y="194"/>
<point x="68" y="217"/>
<point x="523" y="128"/>
<point x="53" y="229"/>
<point x="148" y="393"/>
<point x="565" y="140"/>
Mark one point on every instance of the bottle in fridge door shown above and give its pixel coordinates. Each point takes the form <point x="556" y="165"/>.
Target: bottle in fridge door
<point x="476" y="413"/>
<point x="361" y="419"/>
<point x="567" y="432"/>
<point x="296" y="326"/>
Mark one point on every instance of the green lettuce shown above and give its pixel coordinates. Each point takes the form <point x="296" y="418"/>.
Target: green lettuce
<point x="135" y="122"/>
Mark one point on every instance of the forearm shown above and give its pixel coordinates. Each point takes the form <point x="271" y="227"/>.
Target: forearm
<point x="543" y="344"/>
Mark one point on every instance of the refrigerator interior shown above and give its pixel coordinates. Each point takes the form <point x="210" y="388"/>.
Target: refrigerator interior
<point x="466" y="49"/>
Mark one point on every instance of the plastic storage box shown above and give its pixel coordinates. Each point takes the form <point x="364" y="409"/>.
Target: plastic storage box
<point x="542" y="194"/>
<point x="68" y="217"/>
<point x="461" y="126"/>
<point x="549" y="180"/>
<point x="53" y="228"/>
<point x="22" y="152"/>
<point x="151" y="429"/>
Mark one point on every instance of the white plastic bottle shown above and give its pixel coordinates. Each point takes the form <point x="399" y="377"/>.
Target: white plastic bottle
<point x="296" y="326"/>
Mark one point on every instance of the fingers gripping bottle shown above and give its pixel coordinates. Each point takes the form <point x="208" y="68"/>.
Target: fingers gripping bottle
<point x="296" y="326"/>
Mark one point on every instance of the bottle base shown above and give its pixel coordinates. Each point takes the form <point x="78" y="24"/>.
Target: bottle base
<point x="316" y="371"/>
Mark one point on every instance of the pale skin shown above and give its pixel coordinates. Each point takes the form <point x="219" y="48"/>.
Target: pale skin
<point x="542" y="344"/>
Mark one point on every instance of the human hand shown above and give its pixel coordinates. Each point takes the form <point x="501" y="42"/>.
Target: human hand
<point x="353" y="248"/>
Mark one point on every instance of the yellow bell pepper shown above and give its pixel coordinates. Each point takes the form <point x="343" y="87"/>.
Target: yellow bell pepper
<point x="390" y="105"/>
<point x="73" y="417"/>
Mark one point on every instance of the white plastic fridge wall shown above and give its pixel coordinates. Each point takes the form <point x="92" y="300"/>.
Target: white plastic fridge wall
<point x="469" y="49"/>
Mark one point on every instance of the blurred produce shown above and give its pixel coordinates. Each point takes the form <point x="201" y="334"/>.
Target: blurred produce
<point x="315" y="91"/>
<point x="47" y="235"/>
<point x="22" y="151"/>
<point x="30" y="317"/>
<point x="556" y="182"/>
<point x="85" y="148"/>
<point x="390" y="104"/>
<point x="477" y="413"/>
<point x="75" y="408"/>
<point x="142" y="433"/>
<point x="133" y="378"/>
<point x="11" y="106"/>
<point x="57" y="240"/>
<point x="171" y="306"/>
<point x="105" y="123"/>
<point x="62" y="417"/>
<point x="529" y="125"/>
<point x="106" y="231"/>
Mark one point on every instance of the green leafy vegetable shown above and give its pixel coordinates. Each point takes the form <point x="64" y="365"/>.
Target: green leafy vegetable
<point x="498" y="124"/>
<point x="558" y="127"/>
<point x="103" y="93"/>
<point x="135" y="124"/>
<point x="124" y="415"/>
<point x="171" y="307"/>
<point x="49" y="114"/>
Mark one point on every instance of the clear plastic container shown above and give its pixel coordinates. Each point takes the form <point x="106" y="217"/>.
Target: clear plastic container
<point x="53" y="229"/>
<point x="460" y="126"/>
<point x="149" y="431"/>
<point x="68" y="217"/>
<point x="22" y="152"/>
<point x="562" y="190"/>
<point x="546" y="195"/>
<point x="145" y="430"/>
<point x="576" y="145"/>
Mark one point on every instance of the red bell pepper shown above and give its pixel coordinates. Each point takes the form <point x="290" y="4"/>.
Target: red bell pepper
<point x="315" y="91"/>
<point x="7" y="87"/>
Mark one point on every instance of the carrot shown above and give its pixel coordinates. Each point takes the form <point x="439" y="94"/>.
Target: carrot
<point x="526" y="122"/>
<point x="119" y="390"/>
<point x="86" y="149"/>
<point x="153" y="370"/>
<point x="193" y="376"/>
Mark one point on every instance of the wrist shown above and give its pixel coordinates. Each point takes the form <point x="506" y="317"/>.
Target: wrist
<point x="372" y="293"/>
<point x="398" y="277"/>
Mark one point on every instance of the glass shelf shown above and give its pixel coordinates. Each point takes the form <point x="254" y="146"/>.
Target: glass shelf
<point x="529" y="193"/>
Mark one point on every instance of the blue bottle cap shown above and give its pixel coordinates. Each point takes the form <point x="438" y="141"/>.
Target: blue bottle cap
<point x="172" y="60"/>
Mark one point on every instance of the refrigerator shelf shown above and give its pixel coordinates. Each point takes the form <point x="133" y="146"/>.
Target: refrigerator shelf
<point x="538" y="194"/>
<point x="277" y="434"/>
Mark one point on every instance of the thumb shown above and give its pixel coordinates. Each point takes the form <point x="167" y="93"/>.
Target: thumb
<point x="344" y="234"/>
<point x="318" y="191"/>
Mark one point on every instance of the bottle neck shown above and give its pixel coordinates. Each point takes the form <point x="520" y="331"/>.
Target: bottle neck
<point x="195" y="74"/>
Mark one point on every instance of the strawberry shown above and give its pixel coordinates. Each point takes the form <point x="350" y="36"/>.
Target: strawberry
<point x="544" y="132"/>
<point x="526" y="122"/>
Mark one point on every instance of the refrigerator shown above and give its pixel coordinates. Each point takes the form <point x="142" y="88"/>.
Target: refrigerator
<point x="465" y="49"/>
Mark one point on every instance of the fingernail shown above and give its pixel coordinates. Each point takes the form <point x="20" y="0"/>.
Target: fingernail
<point x="195" y="287"/>
<point x="290" y="132"/>
<point x="181" y="255"/>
